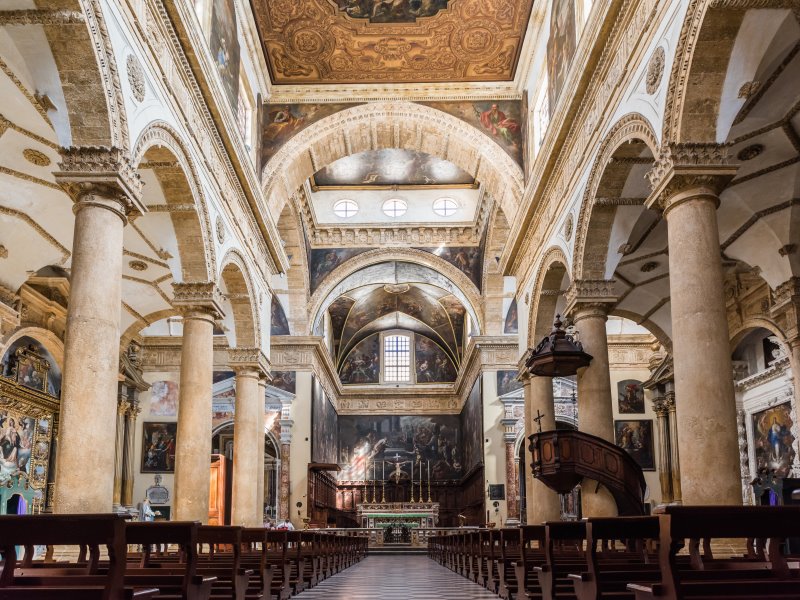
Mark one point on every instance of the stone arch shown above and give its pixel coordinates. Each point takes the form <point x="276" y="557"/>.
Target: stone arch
<point x="297" y="281"/>
<point x="752" y="323"/>
<point x="51" y="342"/>
<point x="395" y="124"/>
<point x="657" y="332"/>
<point x="239" y="290"/>
<point x="545" y="294"/>
<point x="327" y="290"/>
<point x="631" y="135"/>
<point x="133" y="330"/>
<point x="162" y="146"/>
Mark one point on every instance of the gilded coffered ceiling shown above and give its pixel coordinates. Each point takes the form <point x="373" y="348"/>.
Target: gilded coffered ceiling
<point x="391" y="41"/>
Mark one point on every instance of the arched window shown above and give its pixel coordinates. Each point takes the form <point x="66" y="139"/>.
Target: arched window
<point x="344" y="209"/>
<point x="395" y="207"/>
<point x="397" y="358"/>
<point x="445" y="207"/>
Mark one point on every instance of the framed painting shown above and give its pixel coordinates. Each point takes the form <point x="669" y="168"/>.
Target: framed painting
<point x="158" y="447"/>
<point x="636" y="438"/>
<point x="630" y="397"/>
<point x="773" y="440"/>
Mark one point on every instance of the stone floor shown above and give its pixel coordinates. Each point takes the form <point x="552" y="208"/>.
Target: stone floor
<point x="397" y="578"/>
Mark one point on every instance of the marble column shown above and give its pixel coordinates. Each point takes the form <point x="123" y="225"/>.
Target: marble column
<point x="589" y="302"/>
<point x="674" y="459"/>
<point x="283" y="495"/>
<point x="262" y="394"/>
<point x="664" y="468"/>
<point x="512" y="507"/>
<point x="105" y="190"/>
<point x="200" y="305"/>
<point x="119" y="452"/>
<point x="542" y="503"/>
<point x="687" y="181"/>
<point x="248" y="426"/>
<point x="129" y="463"/>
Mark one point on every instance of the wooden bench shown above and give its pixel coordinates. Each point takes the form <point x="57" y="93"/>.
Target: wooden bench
<point x="75" y="581"/>
<point x="564" y="555"/>
<point x="254" y="557"/>
<point x="532" y="540"/>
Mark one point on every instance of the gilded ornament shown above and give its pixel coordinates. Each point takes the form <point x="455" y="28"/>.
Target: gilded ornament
<point x="40" y="159"/>
<point x="138" y="265"/>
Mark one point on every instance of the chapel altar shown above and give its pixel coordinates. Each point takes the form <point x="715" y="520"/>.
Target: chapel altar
<point x="398" y="514"/>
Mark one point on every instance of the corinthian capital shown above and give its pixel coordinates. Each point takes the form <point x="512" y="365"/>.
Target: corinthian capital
<point x="102" y="176"/>
<point x="198" y="297"/>
<point x="249" y="359"/>
<point x="590" y="295"/>
<point x="690" y="170"/>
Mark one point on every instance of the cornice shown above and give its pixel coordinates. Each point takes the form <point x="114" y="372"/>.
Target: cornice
<point x="775" y="371"/>
<point x="420" y="92"/>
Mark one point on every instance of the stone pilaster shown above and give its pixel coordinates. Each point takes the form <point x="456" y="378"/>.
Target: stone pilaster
<point x="129" y="463"/>
<point x="284" y="488"/>
<point x="664" y="470"/>
<point x="119" y="448"/>
<point x="106" y="191"/>
<point x="200" y="305"/>
<point x="687" y="180"/>
<point x="262" y="394"/>
<point x="674" y="456"/>
<point x="588" y="304"/>
<point x="512" y="493"/>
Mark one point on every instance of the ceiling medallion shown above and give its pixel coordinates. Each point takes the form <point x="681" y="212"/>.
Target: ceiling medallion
<point x="750" y="152"/>
<point x="649" y="266"/>
<point x="398" y="288"/>
<point x="39" y="159"/>
<point x="138" y="265"/>
<point x="655" y="70"/>
<point x="135" y="77"/>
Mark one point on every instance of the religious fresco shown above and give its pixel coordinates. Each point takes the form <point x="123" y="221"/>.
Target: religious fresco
<point x="502" y="120"/>
<point x="324" y="422"/>
<point x="561" y="47"/>
<point x="280" y="122"/>
<point x="468" y="260"/>
<point x="630" y="397"/>
<point x="278" y="323"/>
<point x="223" y="401"/>
<point x="391" y="167"/>
<point x="457" y="313"/>
<point x="472" y="427"/>
<point x="362" y="364"/>
<point x="164" y="399"/>
<point x="323" y="261"/>
<point x="773" y="439"/>
<point x="284" y="380"/>
<point x="390" y="11"/>
<point x="431" y="362"/>
<point x="30" y="364"/>
<point x="636" y="438"/>
<point x="224" y="45"/>
<point x="387" y="447"/>
<point x="511" y="324"/>
<point x="158" y="447"/>
<point x="507" y="382"/>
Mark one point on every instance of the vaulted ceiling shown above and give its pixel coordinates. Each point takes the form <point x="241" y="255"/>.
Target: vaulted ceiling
<point x="391" y="41"/>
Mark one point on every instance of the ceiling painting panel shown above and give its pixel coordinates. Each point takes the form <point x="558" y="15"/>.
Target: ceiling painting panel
<point x="323" y="261"/>
<point x="391" y="41"/>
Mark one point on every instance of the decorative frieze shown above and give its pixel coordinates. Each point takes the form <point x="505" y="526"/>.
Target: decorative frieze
<point x="595" y="295"/>
<point x="198" y="297"/>
<point x="252" y="359"/>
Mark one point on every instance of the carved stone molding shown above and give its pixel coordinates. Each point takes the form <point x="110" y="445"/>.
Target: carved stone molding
<point x="655" y="70"/>
<point x="40" y="17"/>
<point x="590" y="296"/>
<point x="202" y="297"/>
<point x="135" y="77"/>
<point x="252" y="359"/>
<point x="40" y="159"/>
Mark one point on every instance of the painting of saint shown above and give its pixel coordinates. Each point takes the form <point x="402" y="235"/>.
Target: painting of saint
<point x="472" y="427"/>
<point x="507" y="382"/>
<point x="390" y="11"/>
<point x="773" y="440"/>
<point x="636" y="438"/>
<point x="278" y="323"/>
<point x="511" y="324"/>
<point x="16" y="444"/>
<point x="362" y="364"/>
<point x="322" y="261"/>
<point x="224" y="43"/>
<point x="630" y="397"/>
<point x="324" y="426"/>
<point x="560" y="47"/>
<point x="28" y="362"/>
<point x="158" y="447"/>
<point x="284" y="380"/>
<point x="164" y="399"/>
<point x="432" y="365"/>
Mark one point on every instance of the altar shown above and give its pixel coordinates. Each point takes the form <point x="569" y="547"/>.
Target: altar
<point x="411" y="515"/>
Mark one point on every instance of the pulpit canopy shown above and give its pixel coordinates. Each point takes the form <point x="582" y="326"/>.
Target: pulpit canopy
<point x="558" y="354"/>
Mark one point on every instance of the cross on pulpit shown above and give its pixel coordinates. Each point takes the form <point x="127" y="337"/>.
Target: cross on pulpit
<point x="538" y="418"/>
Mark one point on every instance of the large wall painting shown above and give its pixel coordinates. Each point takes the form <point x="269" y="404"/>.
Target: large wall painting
<point x="284" y="380"/>
<point x="278" y="323"/>
<point x="472" y="428"/>
<point x="391" y="167"/>
<point x="432" y="365"/>
<point x="390" y="11"/>
<point x="386" y="447"/>
<point x="362" y="364"/>
<point x="224" y="44"/>
<point x="468" y="260"/>
<point x="30" y="364"/>
<point x="511" y="324"/>
<point x="630" y="397"/>
<point x="158" y="447"/>
<point x="322" y="261"/>
<point x="507" y="382"/>
<point x="560" y="47"/>
<point x="223" y="400"/>
<point x="164" y="399"/>
<point x="324" y="426"/>
<point x="773" y="440"/>
<point x="282" y="121"/>
<point x="636" y="438"/>
<point x="502" y="121"/>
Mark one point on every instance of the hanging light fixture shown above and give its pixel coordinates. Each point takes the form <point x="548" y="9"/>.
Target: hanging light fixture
<point x="558" y="354"/>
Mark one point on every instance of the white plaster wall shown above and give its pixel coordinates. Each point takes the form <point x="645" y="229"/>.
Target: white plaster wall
<point x="494" y="450"/>
<point x="300" y="451"/>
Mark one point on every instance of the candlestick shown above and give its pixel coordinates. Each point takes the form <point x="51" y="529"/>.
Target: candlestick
<point x="412" y="480"/>
<point x="383" y="469"/>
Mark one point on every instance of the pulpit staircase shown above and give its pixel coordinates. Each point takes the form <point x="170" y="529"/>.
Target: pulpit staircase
<point x="561" y="459"/>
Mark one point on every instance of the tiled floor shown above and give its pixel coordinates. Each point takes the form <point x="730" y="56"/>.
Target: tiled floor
<point x="397" y="578"/>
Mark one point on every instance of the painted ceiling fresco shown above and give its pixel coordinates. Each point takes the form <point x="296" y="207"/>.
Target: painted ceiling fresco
<point x="391" y="167"/>
<point x="385" y="41"/>
<point x="278" y="323"/>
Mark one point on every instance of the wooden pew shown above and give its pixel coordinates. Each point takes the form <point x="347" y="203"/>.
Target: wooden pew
<point x="223" y="561"/>
<point x="254" y="558"/>
<point x="491" y="559"/>
<point x="701" y="576"/>
<point x="564" y="555"/>
<point x="532" y="554"/>
<point x="278" y="557"/>
<point x="82" y="581"/>
<point x="509" y="556"/>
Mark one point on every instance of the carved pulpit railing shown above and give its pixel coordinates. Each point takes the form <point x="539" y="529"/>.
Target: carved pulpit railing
<point x="561" y="459"/>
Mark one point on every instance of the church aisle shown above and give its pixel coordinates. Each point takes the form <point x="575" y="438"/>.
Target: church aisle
<point x="397" y="578"/>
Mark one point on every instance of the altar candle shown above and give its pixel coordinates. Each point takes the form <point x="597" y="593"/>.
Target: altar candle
<point x="383" y="470"/>
<point x="429" y="470"/>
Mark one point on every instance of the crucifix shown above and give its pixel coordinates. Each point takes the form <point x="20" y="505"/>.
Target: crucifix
<point x="538" y="418"/>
